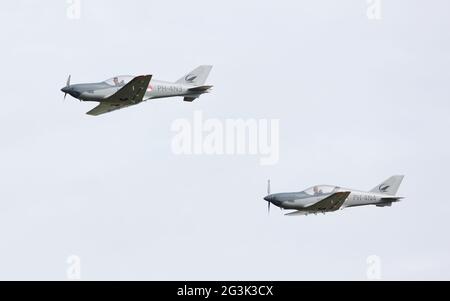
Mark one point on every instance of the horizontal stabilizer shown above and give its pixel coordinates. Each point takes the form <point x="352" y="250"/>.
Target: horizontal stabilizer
<point x="189" y="99"/>
<point x="200" y="89"/>
<point x="392" y="199"/>
<point x="388" y="200"/>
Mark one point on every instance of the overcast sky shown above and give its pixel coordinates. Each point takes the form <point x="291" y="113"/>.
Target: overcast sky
<point x="358" y="100"/>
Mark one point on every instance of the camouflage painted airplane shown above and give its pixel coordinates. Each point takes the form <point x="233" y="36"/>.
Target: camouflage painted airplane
<point x="124" y="91"/>
<point x="327" y="198"/>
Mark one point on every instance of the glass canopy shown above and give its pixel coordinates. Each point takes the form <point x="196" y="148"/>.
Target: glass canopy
<point x="119" y="81"/>
<point x="321" y="189"/>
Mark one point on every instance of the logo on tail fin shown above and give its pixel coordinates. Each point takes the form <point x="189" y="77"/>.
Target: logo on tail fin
<point x="190" y="78"/>
<point x="383" y="187"/>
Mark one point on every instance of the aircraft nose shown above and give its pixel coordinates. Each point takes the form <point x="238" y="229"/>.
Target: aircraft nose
<point x="71" y="90"/>
<point x="273" y="199"/>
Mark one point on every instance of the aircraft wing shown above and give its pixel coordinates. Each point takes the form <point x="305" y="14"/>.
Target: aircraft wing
<point x="105" y="107"/>
<point x="330" y="203"/>
<point x="296" y="213"/>
<point x="131" y="94"/>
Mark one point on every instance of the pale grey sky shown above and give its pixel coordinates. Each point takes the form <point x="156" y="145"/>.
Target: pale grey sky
<point x="358" y="101"/>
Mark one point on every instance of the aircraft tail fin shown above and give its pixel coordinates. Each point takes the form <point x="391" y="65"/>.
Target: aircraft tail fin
<point x="196" y="77"/>
<point x="390" y="186"/>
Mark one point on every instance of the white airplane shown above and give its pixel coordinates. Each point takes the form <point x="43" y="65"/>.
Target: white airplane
<point x="328" y="198"/>
<point x="124" y="91"/>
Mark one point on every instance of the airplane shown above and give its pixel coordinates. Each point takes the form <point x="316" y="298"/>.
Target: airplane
<point x="328" y="198"/>
<point x="124" y="91"/>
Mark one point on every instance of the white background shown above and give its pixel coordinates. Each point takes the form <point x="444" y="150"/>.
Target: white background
<point x="358" y="101"/>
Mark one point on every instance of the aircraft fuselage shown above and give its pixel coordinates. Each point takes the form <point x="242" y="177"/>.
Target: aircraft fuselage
<point x="99" y="92"/>
<point x="301" y="201"/>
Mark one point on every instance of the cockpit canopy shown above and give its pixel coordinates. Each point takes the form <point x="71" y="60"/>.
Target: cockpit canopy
<point x="119" y="81"/>
<point x="321" y="189"/>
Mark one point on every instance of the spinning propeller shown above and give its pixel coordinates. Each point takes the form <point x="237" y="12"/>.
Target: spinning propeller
<point x="67" y="85"/>
<point x="268" y="193"/>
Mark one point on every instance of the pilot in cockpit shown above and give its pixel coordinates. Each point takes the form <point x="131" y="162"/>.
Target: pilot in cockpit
<point x="317" y="190"/>
<point x="117" y="83"/>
